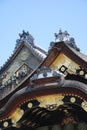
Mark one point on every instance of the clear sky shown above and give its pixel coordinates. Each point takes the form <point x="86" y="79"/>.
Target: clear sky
<point x="42" y="18"/>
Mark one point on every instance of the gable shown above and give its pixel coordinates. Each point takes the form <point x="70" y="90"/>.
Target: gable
<point x="24" y="57"/>
<point x="63" y="63"/>
<point x="17" y="70"/>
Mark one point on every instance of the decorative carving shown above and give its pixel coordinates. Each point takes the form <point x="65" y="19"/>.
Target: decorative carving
<point x="65" y="65"/>
<point x="22" y="71"/>
<point x="61" y="36"/>
<point x="5" y="76"/>
<point x="10" y="83"/>
<point x="24" y="55"/>
<point x="84" y="105"/>
<point x="25" y="37"/>
<point x="50" y="102"/>
<point x="65" y="36"/>
<point x="17" y="115"/>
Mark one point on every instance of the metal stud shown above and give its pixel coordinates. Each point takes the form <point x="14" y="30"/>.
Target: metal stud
<point x="85" y="76"/>
<point x="81" y="72"/>
<point x="5" y="124"/>
<point x="30" y="105"/>
<point x="72" y="99"/>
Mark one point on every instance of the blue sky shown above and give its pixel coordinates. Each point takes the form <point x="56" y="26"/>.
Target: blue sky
<point x="42" y="18"/>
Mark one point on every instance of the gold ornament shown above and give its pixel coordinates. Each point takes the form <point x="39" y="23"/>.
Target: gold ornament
<point x="5" y="124"/>
<point x="30" y="105"/>
<point x="72" y="99"/>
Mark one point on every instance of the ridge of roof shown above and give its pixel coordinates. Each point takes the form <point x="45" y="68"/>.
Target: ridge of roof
<point x="41" y="54"/>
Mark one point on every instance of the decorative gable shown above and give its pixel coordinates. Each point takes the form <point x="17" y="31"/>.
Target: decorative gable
<point x="25" y="59"/>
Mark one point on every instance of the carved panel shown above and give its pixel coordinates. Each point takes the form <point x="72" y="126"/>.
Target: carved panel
<point x="65" y="64"/>
<point x="24" y="57"/>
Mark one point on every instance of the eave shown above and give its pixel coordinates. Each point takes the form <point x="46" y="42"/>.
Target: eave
<point x="74" y="55"/>
<point x="65" y="92"/>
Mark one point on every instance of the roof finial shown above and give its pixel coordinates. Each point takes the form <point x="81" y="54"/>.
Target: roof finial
<point x="61" y="36"/>
<point x="65" y="36"/>
<point x="25" y="37"/>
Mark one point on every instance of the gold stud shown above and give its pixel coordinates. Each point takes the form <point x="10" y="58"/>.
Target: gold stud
<point x="72" y="99"/>
<point x="30" y="105"/>
<point x="62" y="69"/>
<point x="81" y="72"/>
<point x="85" y="76"/>
<point x="5" y="124"/>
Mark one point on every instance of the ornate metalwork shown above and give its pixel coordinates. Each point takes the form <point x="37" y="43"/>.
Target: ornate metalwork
<point x="72" y="99"/>
<point x="84" y="105"/>
<point x="81" y="72"/>
<point x="50" y="102"/>
<point x="17" y="115"/>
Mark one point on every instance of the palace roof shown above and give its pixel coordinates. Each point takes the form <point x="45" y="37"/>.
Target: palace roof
<point x="52" y="94"/>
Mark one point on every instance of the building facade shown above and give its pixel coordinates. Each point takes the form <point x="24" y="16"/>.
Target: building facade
<point x="44" y="90"/>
